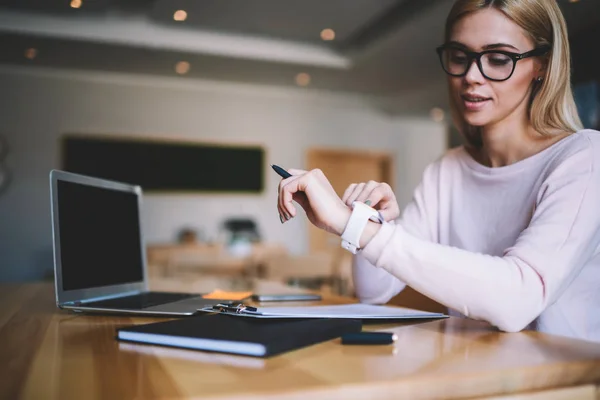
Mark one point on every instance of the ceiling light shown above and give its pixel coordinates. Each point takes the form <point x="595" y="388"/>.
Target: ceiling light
<point x="75" y="3"/>
<point x="180" y="15"/>
<point x="327" y="34"/>
<point x="182" y="67"/>
<point x="302" y="79"/>
<point x="573" y="1"/>
<point x="31" y="53"/>
<point x="437" y="114"/>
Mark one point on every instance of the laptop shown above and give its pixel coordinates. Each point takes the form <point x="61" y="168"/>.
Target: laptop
<point x="99" y="250"/>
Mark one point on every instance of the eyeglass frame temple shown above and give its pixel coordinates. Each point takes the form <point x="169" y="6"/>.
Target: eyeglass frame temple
<point x="532" y="53"/>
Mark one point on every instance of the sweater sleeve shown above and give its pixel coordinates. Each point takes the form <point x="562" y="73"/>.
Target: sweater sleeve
<point x="511" y="290"/>
<point x="377" y="285"/>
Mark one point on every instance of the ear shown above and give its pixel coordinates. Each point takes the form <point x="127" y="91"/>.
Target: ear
<point x="541" y="64"/>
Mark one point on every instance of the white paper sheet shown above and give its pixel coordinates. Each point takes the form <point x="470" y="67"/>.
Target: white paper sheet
<point x="355" y="311"/>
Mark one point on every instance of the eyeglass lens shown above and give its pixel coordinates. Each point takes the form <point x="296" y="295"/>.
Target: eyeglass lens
<point x="494" y="65"/>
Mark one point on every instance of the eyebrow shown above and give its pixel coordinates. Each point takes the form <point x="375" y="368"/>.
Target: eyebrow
<point x="486" y="47"/>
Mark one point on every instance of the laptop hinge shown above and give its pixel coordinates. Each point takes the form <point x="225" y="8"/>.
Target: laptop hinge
<point x="99" y="298"/>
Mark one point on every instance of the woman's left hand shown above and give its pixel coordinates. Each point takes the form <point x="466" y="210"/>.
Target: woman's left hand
<point x="378" y="195"/>
<point x="314" y="193"/>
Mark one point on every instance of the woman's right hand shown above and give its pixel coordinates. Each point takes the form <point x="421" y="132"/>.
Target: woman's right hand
<point x="314" y="193"/>
<point x="378" y="195"/>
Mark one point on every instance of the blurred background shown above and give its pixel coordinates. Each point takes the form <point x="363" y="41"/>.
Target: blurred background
<point x="349" y="86"/>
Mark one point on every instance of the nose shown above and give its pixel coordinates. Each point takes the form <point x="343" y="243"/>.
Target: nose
<point x="474" y="75"/>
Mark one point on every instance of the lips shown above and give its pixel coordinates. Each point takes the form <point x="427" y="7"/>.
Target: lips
<point x="474" y="101"/>
<point x="474" y="97"/>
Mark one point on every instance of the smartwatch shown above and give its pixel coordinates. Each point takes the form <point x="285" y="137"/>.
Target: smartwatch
<point x="361" y="214"/>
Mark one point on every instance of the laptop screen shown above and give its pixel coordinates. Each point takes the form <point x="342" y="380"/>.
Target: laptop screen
<point x="100" y="241"/>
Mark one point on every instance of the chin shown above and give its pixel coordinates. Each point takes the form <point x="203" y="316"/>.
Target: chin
<point x="476" y="119"/>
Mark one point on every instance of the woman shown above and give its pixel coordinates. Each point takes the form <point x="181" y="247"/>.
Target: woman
<point x="506" y="228"/>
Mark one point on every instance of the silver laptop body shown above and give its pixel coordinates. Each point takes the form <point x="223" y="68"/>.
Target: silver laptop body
<point x="96" y="229"/>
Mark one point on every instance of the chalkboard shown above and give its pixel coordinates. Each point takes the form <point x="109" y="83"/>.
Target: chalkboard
<point x="165" y="165"/>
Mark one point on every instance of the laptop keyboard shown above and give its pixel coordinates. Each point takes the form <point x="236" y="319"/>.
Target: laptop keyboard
<point x="141" y="301"/>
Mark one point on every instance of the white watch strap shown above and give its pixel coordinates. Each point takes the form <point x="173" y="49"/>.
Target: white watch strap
<point x="361" y="213"/>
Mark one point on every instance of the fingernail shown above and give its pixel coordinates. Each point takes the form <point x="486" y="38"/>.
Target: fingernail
<point x="368" y="202"/>
<point x="281" y="218"/>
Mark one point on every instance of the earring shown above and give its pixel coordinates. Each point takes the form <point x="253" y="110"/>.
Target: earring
<point x="539" y="79"/>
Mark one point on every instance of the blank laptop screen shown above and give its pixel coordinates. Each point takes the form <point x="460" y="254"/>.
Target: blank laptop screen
<point x="100" y="241"/>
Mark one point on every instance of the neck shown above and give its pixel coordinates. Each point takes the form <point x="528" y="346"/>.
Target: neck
<point x="505" y="142"/>
<point x="511" y="140"/>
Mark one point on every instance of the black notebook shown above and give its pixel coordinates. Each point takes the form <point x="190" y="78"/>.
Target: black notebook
<point x="246" y="336"/>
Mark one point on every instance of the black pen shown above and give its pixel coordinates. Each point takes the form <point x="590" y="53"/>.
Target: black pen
<point x="282" y="172"/>
<point x="369" y="338"/>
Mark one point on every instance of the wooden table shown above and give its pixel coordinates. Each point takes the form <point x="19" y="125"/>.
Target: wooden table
<point x="51" y="354"/>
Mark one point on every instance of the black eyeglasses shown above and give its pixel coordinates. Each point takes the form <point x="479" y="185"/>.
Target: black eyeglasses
<point x="495" y="65"/>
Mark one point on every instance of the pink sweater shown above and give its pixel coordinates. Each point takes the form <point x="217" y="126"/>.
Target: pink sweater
<point x="517" y="246"/>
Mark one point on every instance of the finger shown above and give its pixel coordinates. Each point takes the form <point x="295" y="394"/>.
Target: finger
<point x="279" y="210"/>
<point x="355" y="193"/>
<point x="379" y="195"/>
<point x="367" y="189"/>
<point x="282" y="199"/>
<point x="374" y="199"/>
<point x="386" y="215"/>
<point x="283" y="214"/>
<point x="289" y="187"/>
<point x="388" y="208"/>
<point x="300" y="198"/>
<point x="295" y="171"/>
<point x="348" y="192"/>
<point x="389" y="212"/>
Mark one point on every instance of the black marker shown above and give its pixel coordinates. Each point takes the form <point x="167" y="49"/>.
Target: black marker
<point x="282" y="172"/>
<point x="369" y="338"/>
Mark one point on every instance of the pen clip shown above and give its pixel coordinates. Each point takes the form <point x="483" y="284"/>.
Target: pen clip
<point x="238" y="308"/>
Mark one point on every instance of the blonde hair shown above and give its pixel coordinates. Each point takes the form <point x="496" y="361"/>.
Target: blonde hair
<point x="552" y="108"/>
